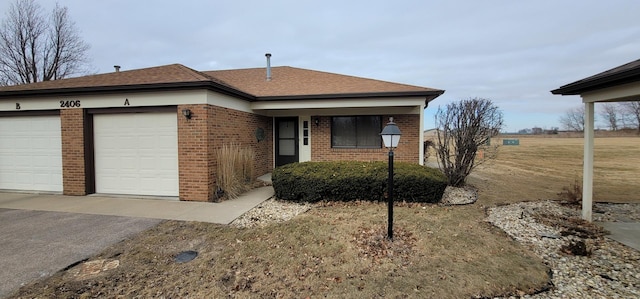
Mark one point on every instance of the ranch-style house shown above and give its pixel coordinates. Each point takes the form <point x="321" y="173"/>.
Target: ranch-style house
<point x="154" y="131"/>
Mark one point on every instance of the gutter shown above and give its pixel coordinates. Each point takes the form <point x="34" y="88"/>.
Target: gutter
<point x="584" y="85"/>
<point x="210" y="85"/>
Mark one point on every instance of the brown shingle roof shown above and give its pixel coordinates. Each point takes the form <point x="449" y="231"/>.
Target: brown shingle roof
<point x="290" y="82"/>
<point x="167" y="76"/>
<point x="154" y="75"/>
<point x="250" y="84"/>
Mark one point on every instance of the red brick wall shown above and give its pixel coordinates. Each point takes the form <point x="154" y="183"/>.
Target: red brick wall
<point x="233" y="126"/>
<point x="73" y="163"/>
<point x="408" y="150"/>
<point x="209" y="128"/>
<point x="194" y="154"/>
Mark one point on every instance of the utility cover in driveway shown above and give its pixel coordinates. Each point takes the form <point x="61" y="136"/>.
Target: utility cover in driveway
<point x="136" y="153"/>
<point x="37" y="244"/>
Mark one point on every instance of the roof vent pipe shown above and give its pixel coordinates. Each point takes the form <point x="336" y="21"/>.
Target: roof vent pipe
<point x="117" y="67"/>
<point x="268" y="55"/>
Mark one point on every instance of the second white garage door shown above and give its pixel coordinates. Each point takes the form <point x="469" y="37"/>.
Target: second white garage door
<point x="31" y="153"/>
<point x="136" y="153"/>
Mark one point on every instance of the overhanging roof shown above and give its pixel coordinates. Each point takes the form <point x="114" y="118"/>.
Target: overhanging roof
<point x="167" y="77"/>
<point x="626" y="73"/>
<point x="287" y="83"/>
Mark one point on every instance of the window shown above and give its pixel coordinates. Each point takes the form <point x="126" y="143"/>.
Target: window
<point x="356" y="132"/>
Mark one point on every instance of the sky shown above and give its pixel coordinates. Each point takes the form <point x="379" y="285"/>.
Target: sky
<point x="511" y="52"/>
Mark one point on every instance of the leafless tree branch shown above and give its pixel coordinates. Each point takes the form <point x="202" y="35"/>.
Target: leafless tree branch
<point x="34" y="47"/>
<point x="610" y="113"/>
<point x="463" y="128"/>
<point x="573" y="119"/>
<point x="632" y="111"/>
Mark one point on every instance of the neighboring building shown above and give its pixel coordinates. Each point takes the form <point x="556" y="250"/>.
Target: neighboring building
<point x="154" y="131"/>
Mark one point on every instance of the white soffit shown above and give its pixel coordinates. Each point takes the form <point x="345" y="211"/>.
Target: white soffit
<point x="625" y="92"/>
<point x="337" y="103"/>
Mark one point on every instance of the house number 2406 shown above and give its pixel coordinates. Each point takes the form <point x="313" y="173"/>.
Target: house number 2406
<point x="70" y="104"/>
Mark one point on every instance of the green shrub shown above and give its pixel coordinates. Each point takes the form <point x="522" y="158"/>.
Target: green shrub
<point x="352" y="180"/>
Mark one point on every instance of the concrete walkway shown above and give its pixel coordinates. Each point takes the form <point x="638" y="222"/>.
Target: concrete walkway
<point x="223" y="213"/>
<point x="627" y="233"/>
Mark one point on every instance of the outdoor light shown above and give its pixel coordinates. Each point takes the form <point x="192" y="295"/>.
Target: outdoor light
<point x="186" y="113"/>
<point x="391" y="137"/>
<point x="316" y="121"/>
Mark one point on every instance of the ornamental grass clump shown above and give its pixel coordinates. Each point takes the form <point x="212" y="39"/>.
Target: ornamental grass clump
<point x="235" y="169"/>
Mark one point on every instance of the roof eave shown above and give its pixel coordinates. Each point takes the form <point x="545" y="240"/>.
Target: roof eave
<point x="127" y="88"/>
<point x="582" y="86"/>
<point x="429" y="94"/>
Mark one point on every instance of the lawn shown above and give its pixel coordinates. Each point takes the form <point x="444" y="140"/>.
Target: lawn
<point x="540" y="167"/>
<point x="338" y="250"/>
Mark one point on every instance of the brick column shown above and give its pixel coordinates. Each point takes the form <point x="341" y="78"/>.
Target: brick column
<point x="73" y="155"/>
<point x="195" y="154"/>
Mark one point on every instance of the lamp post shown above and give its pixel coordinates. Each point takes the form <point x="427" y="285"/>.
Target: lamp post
<point x="390" y="136"/>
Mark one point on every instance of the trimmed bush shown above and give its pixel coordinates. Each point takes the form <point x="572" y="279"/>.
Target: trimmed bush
<point x="352" y="180"/>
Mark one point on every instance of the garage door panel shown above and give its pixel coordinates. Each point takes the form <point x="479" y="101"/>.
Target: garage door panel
<point x="136" y="153"/>
<point x="31" y="153"/>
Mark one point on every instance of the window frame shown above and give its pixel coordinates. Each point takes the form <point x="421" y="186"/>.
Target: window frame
<point x="378" y="146"/>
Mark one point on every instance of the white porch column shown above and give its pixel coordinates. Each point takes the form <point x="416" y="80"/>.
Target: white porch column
<point x="421" y="138"/>
<point x="587" y="168"/>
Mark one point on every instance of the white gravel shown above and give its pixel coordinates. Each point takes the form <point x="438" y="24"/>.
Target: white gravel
<point x="612" y="270"/>
<point x="270" y="211"/>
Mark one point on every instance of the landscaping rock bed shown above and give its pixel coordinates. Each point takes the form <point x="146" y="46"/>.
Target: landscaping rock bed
<point x="584" y="263"/>
<point x="270" y="211"/>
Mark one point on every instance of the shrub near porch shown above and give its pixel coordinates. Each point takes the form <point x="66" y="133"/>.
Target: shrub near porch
<point x="352" y="180"/>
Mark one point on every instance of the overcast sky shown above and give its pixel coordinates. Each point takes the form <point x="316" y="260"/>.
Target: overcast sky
<point x="512" y="52"/>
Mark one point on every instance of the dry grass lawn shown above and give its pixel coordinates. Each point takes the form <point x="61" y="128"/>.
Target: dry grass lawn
<point x="540" y="167"/>
<point x="334" y="251"/>
<point x="340" y="251"/>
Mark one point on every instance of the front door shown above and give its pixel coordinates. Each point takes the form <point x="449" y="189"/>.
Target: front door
<point x="286" y="140"/>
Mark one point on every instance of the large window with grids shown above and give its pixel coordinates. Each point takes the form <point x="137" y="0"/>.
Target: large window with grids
<point x="356" y="131"/>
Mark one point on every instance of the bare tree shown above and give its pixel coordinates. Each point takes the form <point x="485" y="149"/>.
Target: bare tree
<point x="632" y="110"/>
<point x="35" y="47"/>
<point x="573" y="119"/>
<point x="463" y="128"/>
<point x="611" y="114"/>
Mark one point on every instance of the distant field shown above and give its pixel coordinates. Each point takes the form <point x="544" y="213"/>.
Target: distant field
<point x="540" y="167"/>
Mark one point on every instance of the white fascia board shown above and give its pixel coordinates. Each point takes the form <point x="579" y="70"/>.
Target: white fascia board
<point x="133" y="99"/>
<point x="341" y="111"/>
<point x="625" y="92"/>
<point x="223" y="100"/>
<point x="337" y="103"/>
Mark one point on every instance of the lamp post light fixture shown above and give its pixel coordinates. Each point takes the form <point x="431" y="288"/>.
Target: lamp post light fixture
<point x="391" y="137"/>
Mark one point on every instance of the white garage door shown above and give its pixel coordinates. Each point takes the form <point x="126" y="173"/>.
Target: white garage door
<point x="31" y="153"/>
<point x="136" y="153"/>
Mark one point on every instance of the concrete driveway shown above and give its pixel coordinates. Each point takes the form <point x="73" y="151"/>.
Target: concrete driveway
<point x="37" y="244"/>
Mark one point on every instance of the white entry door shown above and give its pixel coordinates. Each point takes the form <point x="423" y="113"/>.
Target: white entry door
<point x="136" y="153"/>
<point x="31" y="153"/>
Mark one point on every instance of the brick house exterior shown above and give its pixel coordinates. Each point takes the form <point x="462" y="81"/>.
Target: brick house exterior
<point x="155" y="131"/>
